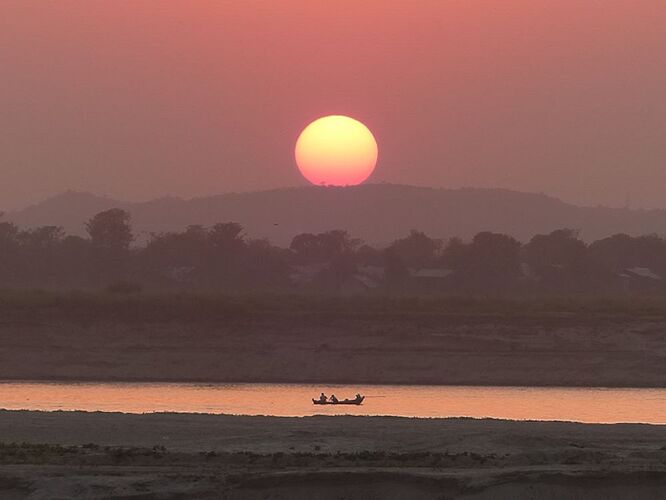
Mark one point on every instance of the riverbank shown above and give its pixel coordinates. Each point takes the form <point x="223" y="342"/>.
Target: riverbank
<point x="572" y="342"/>
<point x="214" y="456"/>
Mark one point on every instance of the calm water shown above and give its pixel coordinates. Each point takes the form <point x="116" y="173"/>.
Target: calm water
<point x="519" y="403"/>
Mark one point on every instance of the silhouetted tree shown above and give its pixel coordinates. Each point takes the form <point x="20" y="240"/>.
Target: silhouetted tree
<point x="226" y="237"/>
<point x="110" y="237"/>
<point x="9" y="254"/>
<point x="75" y="264"/>
<point x="221" y="257"/>
<point x="177" y="258"/>
<point x="41" y="256"/>
<point x="226" y="248"/>
<point x="453" y="254"/>
<point x="395" y="270"/>
<point x="561" y="261"/>
<point x="417" y="249"/>
<point x="306" y="247"/>
<point x="265" y="266"/>
<point x="8" y="233"/>
<point x="110" y="230"/>
<point x="615" y="252"/>
<point x="560" y="248"/>
<point x="367" y="255"/>
<point x="621" y="251"/>
<point x="322" y="247"/>
<point x="490" y="262"/>
<point x="213" y="258"/>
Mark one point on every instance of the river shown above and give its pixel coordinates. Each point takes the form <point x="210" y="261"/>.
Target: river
<point x="592" y="405"/>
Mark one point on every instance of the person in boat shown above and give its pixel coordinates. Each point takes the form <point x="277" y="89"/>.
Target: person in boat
<point x="323" y="398"/>
<point x="358" y="397"/>
<point x="333" y="398"/>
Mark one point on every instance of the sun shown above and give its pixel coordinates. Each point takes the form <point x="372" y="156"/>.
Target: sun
<point x="336" y="151"/>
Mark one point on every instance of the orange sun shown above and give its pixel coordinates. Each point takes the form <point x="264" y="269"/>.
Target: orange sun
<point x="336" y="151"/>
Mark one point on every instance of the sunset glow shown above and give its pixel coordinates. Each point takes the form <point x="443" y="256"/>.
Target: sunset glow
<point x="336" y="151"/>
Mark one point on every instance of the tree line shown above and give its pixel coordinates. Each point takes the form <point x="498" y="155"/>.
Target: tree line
<point x="223" y="258"/>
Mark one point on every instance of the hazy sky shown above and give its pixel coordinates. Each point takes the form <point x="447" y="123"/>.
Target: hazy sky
<point x="138" y="99"/>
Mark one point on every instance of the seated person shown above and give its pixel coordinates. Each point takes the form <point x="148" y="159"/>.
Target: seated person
<point x="322" y="397"/>
<point x="358" y="397"/>
<point x="333" y="398"/>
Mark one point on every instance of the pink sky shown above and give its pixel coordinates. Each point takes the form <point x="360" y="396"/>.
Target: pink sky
<point x="137" y="99"/>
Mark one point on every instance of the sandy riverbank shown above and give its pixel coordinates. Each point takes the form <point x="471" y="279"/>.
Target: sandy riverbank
<point x="207" y="456"/>
<point x="412" y="348"/>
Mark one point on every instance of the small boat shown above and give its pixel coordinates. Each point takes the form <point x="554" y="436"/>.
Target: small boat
<point x="355" y="401"/>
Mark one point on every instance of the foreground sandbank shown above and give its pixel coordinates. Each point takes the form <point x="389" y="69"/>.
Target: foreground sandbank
<point x="217" y="456"/>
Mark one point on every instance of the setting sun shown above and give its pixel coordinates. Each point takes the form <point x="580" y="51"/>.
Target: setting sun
<point x="336" y="151"/>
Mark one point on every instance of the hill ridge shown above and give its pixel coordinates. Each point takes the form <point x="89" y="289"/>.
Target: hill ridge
<point x="377" y="213"/>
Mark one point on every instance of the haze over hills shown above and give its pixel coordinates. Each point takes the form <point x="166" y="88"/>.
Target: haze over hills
<point x="377" y="213"/>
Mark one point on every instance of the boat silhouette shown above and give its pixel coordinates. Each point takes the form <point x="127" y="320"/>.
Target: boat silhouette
<point x="355" y="401"/>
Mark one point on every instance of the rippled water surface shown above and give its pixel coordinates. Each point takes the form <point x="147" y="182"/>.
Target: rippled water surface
<point x="521" y="403"/>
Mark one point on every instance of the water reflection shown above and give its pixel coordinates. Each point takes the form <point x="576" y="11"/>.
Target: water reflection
<point x="518" y="403"/>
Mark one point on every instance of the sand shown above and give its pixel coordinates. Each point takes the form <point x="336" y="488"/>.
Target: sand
<point x="113" y="455"/>
<point x="406" y="348"/>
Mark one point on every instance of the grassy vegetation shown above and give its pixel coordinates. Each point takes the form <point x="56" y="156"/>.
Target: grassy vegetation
<point x="200" y="307"/>
<point x="93" y="454"/>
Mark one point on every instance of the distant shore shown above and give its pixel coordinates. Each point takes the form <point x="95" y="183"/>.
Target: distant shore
<point x="216" y="456"/>
<point x="279" y="339"/>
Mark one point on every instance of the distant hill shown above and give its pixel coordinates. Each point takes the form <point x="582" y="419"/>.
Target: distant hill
<point x="377" y="213"/>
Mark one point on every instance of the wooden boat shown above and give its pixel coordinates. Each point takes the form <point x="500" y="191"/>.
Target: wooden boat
<point x="355" y="401"/>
